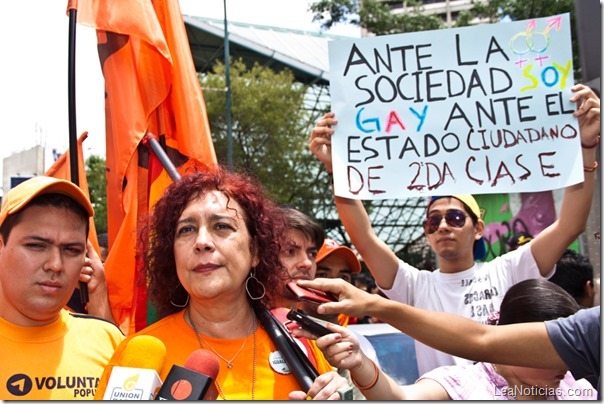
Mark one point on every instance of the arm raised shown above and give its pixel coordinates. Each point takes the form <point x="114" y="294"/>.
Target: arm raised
<point x="550" y="244"/>
<point x="382" y="262"/>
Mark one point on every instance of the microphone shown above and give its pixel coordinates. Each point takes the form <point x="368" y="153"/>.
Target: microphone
<point x="135" y="373"/>
<point x="299" y="364"/>
<point x="194" y="380"/>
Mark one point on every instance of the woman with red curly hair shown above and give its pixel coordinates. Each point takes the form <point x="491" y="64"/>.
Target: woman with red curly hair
<point x="211" y="251"/>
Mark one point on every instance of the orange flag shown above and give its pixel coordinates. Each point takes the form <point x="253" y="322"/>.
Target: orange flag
<point x="61" y="169"/>
<point x="151" y="86"/>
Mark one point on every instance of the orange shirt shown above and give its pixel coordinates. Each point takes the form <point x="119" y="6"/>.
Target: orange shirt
<point x="63" y="360"/>
<point x="236" y="383"/>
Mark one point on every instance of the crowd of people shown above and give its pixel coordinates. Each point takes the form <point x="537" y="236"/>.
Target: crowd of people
<point x="218" y="254"/>
<point x="462" y="285"/>
<point x="532" y="300"/>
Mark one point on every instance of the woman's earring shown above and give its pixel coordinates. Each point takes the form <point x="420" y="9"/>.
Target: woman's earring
<point x="185" y="304"/>
<point x="260" y="285"/>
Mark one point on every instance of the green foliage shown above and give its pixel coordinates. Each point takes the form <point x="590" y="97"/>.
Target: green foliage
<point x="488" y="10"/>
<point x="270" y="129"/>
<point x="464" y="19"/>
<point x="96" y="168"/>
<point x="527" y="9"/>
<point x="374" y="16"/>
<point x="413" y="20"/>
<point x="332" y="12"/>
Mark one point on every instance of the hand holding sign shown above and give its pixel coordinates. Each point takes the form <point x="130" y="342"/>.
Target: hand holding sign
<point x="320" y="140"/>
<point x="481" y="109"/>
<point x="588" y="113"/>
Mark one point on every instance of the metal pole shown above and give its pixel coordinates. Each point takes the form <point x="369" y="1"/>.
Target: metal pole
<point x="227" y="73"/>
<point x="151" y="140"/>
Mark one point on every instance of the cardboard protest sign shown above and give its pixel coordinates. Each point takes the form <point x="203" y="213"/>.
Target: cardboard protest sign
<point x="481" y="109"/>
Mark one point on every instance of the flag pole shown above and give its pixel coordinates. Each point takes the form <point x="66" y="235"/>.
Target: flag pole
<point x="151" y="141"/>
<point x="227" y="78"/>
<point x="72" y="8"/>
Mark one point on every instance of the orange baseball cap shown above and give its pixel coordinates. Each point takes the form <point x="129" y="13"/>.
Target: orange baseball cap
<point x="18" y="197"/>
<point x="332" y="247"/>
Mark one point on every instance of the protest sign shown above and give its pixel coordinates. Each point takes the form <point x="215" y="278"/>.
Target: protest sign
<point x="481" y="109"/>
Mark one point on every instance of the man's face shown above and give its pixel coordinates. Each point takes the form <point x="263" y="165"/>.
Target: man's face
<point x="40" y="264"/>
<point x="334" y="267"/>
<point x="449" y="242"/>
<point x="298" y="256"/>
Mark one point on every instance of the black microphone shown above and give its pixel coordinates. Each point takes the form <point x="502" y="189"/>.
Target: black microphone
<point x="303" y="370"/>
<point x="194" y="380"/>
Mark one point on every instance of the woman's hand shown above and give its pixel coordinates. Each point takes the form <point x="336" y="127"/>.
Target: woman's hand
<point x="320" y="140"/>
<point x="325" y="387"/>
<point x="341" y="348"/>
<point x="588" y="113"/>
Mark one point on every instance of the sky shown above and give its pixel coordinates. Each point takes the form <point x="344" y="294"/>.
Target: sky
<point x="33" y="85"/>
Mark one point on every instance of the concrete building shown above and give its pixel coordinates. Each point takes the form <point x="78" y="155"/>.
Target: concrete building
<point x="20" y="166"/>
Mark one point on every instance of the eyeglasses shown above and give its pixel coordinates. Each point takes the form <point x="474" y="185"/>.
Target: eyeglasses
<point x="454" y="218"/>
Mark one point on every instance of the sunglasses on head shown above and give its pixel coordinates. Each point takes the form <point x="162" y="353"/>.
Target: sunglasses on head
<point x="454" y="218"/>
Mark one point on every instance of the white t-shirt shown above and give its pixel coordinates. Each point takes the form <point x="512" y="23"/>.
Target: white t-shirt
<point x="473" y="293"/>
<point x="367" y="348"/>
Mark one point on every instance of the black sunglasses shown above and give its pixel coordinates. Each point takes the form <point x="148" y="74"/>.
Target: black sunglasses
<point x="454" y="218"/>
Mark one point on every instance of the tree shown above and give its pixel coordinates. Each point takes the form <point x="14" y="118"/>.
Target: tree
<point x="96" y="169"/>
<point x="270" y="126"/>
<point x="374" y="16"/>
<point x="271" y="123"/>
<point x="523" y="10"/>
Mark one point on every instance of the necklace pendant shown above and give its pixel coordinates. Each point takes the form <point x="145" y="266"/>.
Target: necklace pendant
<point x="229" y="365"/>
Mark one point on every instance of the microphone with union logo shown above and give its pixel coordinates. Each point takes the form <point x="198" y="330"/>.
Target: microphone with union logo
<point x="136" y="376"/>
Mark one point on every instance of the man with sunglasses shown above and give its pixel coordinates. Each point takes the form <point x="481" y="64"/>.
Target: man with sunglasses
<point x="454" y="229"/>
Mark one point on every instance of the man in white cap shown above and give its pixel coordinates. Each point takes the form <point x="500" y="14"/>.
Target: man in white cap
<point x="454" y="229"/>
<point x="48" y="353"/>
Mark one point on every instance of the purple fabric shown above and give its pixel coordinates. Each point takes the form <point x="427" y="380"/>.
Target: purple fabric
<point x="481" y="382"/>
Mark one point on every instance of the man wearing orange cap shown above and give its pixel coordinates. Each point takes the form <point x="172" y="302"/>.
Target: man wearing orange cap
<point x="337" y="261"/>
<point x="48" y="353"/>
<point x="454" y="229"/>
